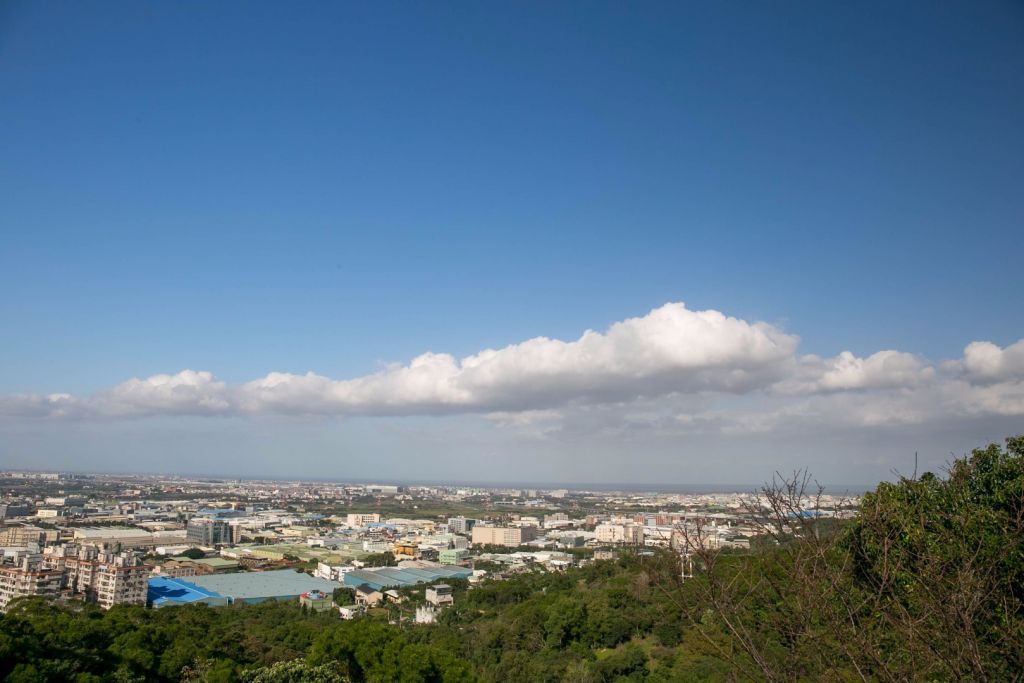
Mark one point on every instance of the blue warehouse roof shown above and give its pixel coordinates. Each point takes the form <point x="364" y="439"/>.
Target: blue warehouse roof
<point x="221" y="589"/>
<point x="257" y="586"/>
<point x="165" y="591"/>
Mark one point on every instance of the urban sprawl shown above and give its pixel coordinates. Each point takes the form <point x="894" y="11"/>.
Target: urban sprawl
<point x="351" y="548"/>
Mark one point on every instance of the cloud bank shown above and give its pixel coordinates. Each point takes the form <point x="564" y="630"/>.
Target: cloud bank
<point x="691" y="370"/>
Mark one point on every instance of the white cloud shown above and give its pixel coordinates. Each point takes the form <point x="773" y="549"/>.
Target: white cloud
<point x="845" y="372"/>
<point x="984" y="361"/>
<point x="671" y="349"/>
<point x="672" y="371"/>
<point x="185" y="393"/>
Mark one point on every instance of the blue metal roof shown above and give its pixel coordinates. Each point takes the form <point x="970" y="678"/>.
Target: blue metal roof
<point x="171" y="591"/>
<point x="391" y="577"/>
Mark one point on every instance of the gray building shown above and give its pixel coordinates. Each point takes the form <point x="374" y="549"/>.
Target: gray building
<point x="461" y="525"/>
<point x="208" y="532"/>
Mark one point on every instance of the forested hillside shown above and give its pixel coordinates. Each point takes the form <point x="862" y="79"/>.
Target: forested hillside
<point x="925" y="584"/>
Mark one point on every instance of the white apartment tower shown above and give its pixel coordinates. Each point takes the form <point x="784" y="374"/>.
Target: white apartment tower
<point x="620" y="533"/>
<point x="23" y="575"/>
<point x="101" y="576"/>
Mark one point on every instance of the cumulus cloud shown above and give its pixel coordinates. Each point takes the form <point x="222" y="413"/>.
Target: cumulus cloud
<point x="984" y="361"/>
<point x="671" y="349"/>
<point x="845" y="372"/>
<point x="671" y="369"/>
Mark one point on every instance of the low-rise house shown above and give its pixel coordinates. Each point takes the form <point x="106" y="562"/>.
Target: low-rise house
<point x="440" y="594"/>
<point x="370" y="597"/>
<point x="348" y="612"/>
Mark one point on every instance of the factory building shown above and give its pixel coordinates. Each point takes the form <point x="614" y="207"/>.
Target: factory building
<point x="227" y="589"/>
<point x="391" y="577"/>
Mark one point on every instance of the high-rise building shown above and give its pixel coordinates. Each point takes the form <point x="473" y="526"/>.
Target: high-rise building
<point x="98" y="575"/>
<point x="208" y="532"/>
<point x="21" y="536"/>
<point x="619" y="533"/>
<point x="23" y="574"/>
<point x="461" y="525"/>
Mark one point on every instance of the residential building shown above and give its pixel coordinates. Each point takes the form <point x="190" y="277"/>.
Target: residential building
<point x="461" y="525"/>
<point x="101" y="576"/>
<point x="21" y="536"/>
<point x="358" y="520"/>
<point x="439" y="594"/>
<point x="368" y="596"/>
<point x="619" y="533"/>
<point x="558" y="519"/>
<point x="349" y="612"/>
<point x="332" y="572"/>
<point x="503" y="535"/>
<point x="22" y="574"/>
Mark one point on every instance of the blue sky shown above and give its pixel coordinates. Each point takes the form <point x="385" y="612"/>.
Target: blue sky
<point x="248" y="188"/>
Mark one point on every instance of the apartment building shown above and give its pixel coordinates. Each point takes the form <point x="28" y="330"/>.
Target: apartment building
<point x="25" y="535"/>
<point x="461" y="525"/>
<point x="22" y="574"/>
<point x="439" y="594"/>
<point x="101" y="576"/>
<point x="510" y="536"/>
<point x="358" y="520"/>
<point x="619" y="533"/>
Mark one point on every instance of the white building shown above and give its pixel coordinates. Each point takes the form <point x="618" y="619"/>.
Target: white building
<point x="503" y="535"/>
<point x="348" y="612"/>
<point x="332" y="572"/>
<point x="619" y="533"/>
<point x="461" y="525"/>
<point x="358" y="520"/>
<point x="100" y="576"/>
<point x="439" y="594"/>
<point x="126" y="537"/>
<point x="22" y="574"/>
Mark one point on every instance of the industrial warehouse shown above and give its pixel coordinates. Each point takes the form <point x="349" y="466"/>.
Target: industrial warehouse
<point x="228" y="589"/>
<point x="390" y="577"/>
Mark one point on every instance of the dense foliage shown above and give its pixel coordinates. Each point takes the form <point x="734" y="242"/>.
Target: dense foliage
<point x="925" y="584"/>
